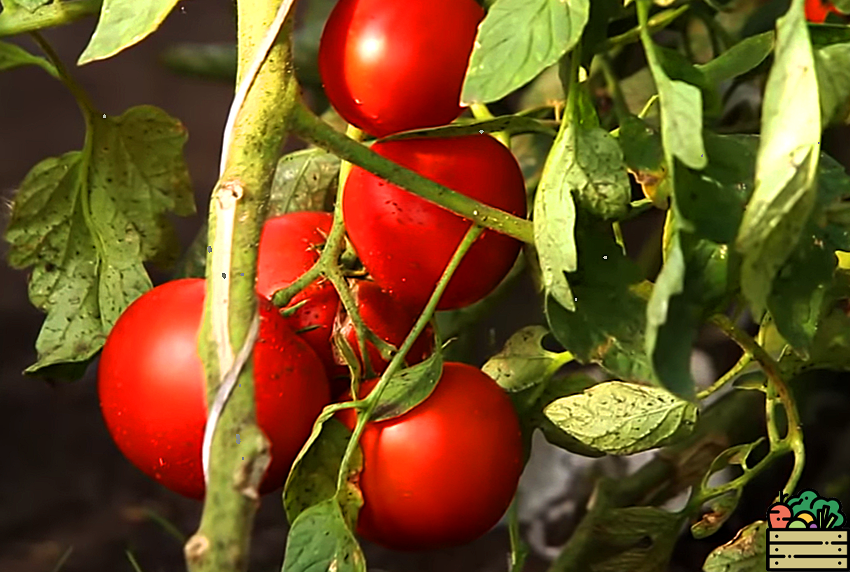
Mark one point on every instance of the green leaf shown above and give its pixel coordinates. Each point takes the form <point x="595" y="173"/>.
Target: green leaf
<point x="608" y="323"/>
<point x="124" y="23"/>
<point x="312" y="479"/>
<point x="826" y="34"/>
<point x="832" y="67"/>
<point x="784" y="193"/>
<point x="320" y="540"/>
<point x="831" y="344"/>
<point x="741" y="58"/>
<point x="29" y="5"/>
<point x="409" y="387"/>
<point x="624" y="418"/>
<point x="516" y="41"/>
<point x="613" y="539"/>
<point x="523" y="362"/>
<point x="720" y="509"/>
<point x="85" y="222"/>
<point x="644" y="158"/>
<point x="12" y="56"/>
<point x="305" y="180"/>
<point x="677" y="67"/>
<point x="695" y="280"/>
<point x="711" y="202"/>
<point x="744" y="553"/>
<point x="800" y="289"/>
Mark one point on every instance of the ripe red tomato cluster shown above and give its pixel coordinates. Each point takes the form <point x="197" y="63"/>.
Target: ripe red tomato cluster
<point x="445" y="472"/>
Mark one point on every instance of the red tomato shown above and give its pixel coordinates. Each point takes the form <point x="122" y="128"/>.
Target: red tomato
<point x="406" y="242"/>
<point x="444" y="473"/>
<point x="818" y="10"/>
<point x="389" y="320"/>
<point x="151" y="387"/>
<point x="289" y="245"/>
<point x="390" y="66"/>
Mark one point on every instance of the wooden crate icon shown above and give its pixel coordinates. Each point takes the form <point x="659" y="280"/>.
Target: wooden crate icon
<point x="807" y="549"/>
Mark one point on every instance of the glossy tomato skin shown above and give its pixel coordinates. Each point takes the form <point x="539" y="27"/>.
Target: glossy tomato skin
<point x="151" y="387"/>
<point x="390" y="320"/>
<point x="392" y="66"/>
<point x="444" y="473"/>
<point x="406" y="242"/>
<point x="289" y="246"/>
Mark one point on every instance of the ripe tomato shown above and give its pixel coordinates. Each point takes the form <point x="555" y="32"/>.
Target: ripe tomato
<point x="289" y="245"/>
<point x="390" y="320"/>
<point x="151" y="387"/>
<point x="818" y="10"/>
<point x="392" y="66"/>
<point x="406" y="242"/>
<point x="444" y="473"/>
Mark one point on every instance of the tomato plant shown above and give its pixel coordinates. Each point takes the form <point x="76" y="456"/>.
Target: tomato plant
<point x="459" y="479"/>
<point x="405" y="242"/>
<point x="596" y="188"/>
<point x="394" y="66"/>
<point x="151" y="387"/>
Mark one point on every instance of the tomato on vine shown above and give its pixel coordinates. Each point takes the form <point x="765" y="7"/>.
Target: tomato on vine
<point x="393" y="66"/>
<point x="151" y="387"/>
<point x="444" y="473"/>
<point x="818" y="10"/>
<point x="405" y="242"/>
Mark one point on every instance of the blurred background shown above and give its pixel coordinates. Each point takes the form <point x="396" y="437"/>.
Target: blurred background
<point x="66" y="493"/>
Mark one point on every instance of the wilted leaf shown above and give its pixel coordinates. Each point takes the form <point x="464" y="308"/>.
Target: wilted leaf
<point x="517" y="40"/>
<point x="784" y="191"/>
<point x="320" y="540"/>
<point x="744" y="553"/>
<point x="523" y="362"/>
<point x="623" y="418"/>
<point x="124" y="23"/>
<point x="409" y="387"/>
<point x="12" y="56"/>
<point x="720" y="509"/>
<point x="608" y="323"/>
<point x="88" y="220"/>
<point x="644" y="158"/>
<point x="304" y="181"/>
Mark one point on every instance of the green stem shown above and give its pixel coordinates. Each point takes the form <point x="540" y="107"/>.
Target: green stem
<point x="656" y="23"/>
<point x="311" y="128"/>
<point x="371" y="401"/>
<point x="58" y="13"/>
<point x="237" y="212"/>
<point x="84" y="102"/>
<point x="481" y="112"/>
<point x="733" y="372"/>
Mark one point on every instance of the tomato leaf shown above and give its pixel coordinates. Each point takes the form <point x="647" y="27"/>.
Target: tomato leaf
<point x="637" y="538"/>
<point x="681" y="109"/>
<point x="516" y="41"/>
<point x="832" y="67"/>
<point x="720" y="509"/>
<point x="784" y="193"/>
<point x="28" y="5"/>
<point x="313" y="477"/>
<point x="512" y="124"/>
<point x="608" y="323"/>
<point x="321" y="540"/>
<point x="523" y="362"/>
<point x="304" y="181"/>
<point x="124" y="23"/>
<point x="86" y="221"/>
<point x="696" y="279"/>
<point x="409" y="387"/>
<point x="744" y="553"/>
<point x="624" y="418"/>
<point x="12" y="56"/>
<point x="741" y="58"/>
